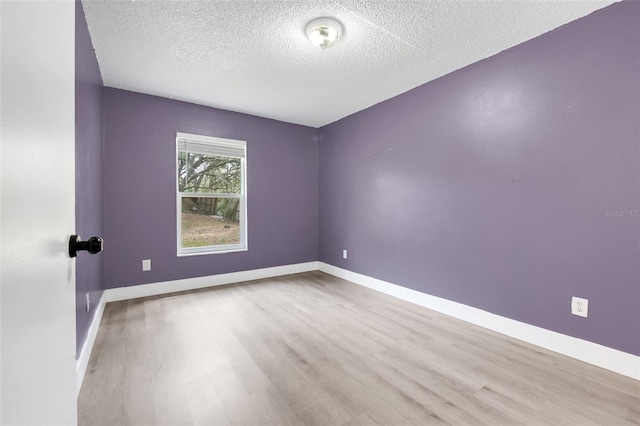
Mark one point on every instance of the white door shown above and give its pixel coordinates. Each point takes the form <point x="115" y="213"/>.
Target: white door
<point x="37" y="287"/>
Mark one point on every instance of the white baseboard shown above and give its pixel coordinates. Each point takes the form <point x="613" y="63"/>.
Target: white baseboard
<point x="144" y="290"/>
<point x="592" y="353"/>
<point x="85" y="353"/>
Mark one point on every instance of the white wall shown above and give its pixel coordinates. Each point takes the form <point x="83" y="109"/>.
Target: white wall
<point x="37" y="291"/>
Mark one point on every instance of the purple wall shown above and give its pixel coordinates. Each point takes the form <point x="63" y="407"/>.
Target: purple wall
<point x="490" y="186"/>
<point x="89" y="189"/>
<point x="140" y="213"/>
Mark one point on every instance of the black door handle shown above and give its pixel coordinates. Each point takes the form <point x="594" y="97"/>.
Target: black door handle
<point x="93" y="245"/>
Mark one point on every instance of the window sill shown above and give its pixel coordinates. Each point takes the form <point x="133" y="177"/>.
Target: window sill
<point x="235" y="250"/>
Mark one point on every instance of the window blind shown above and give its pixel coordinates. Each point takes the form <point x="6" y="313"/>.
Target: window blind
<point x="212" y="146"/>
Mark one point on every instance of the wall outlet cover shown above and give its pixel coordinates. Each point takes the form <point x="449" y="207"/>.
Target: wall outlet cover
<point x="580" y="306"/>
<point x="88" y="304"/>
<point x="344" y="254"/>
<point x="146" y="265"/>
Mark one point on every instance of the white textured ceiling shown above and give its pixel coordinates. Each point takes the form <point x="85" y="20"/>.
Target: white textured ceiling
<point x="253" y="56"/>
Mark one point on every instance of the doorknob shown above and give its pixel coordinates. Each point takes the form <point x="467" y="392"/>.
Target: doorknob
<point x="93" y="245"/>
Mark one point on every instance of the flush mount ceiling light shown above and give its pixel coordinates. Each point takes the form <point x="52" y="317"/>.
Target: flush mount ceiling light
<point x="324" y="32"/>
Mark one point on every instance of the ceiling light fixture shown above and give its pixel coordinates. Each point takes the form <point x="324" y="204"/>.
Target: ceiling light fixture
<point x="324" y="32"/>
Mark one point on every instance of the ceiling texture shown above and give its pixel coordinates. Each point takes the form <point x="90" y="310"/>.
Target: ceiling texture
<point x="254" y="57"/>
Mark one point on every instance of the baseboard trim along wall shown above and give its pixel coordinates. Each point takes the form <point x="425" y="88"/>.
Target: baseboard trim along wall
<point x="592" y="353"/>
<point x="589" y="352"/>
<point x="144" y="290"/>
<point x="85" y="353"/>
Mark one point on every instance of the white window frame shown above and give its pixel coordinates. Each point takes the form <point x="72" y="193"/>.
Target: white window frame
<point x="219" y="249"/>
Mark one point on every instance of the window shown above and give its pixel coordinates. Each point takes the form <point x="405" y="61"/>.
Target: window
<point x="211" y="195"/>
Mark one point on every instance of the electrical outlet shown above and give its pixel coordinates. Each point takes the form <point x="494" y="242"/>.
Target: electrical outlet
<point x="88" y="302"/>
<point x="146" y="265"/>
<point x="579" y="307"/>
<point x="344" y="254"/>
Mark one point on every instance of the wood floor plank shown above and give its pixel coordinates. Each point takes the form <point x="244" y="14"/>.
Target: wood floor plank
<point x="312" y="349"/>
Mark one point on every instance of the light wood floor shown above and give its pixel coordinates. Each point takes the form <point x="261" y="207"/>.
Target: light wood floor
<point x="314" y="349"/>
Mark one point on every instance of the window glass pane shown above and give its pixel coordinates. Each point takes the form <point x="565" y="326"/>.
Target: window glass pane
<point x="209" y="221"/>
<point x="206" y="173"/>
